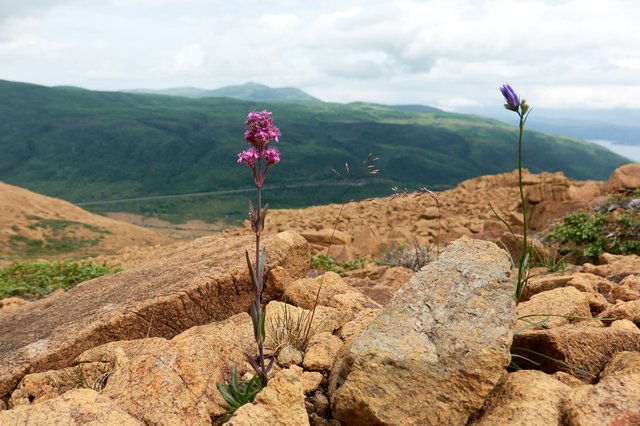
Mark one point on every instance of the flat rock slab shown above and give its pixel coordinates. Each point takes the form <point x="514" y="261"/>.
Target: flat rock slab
<point x="197" y="283"/>
<point x="579" y="349"/>
<point x="436" y="351"/>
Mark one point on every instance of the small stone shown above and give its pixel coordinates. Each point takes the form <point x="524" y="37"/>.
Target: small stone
<point x="308" y="405"/>
<point x="311" y="380"/>
<point x="322" y="352"/>
<point x="623" y="324"/>
<point x="289" y="356"/>
<point x="317" y="420"/>
<point x="320" y="403"/>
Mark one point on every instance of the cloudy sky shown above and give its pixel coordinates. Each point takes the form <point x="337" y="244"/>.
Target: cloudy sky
<point x="447" y="53"/>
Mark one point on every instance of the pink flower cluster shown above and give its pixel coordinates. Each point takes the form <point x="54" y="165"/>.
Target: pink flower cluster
<point x="260" y="131"/>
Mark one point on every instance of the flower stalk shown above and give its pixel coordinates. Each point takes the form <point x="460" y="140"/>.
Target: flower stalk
<point x="522" y="109"/>
<point x="261" y="130"/>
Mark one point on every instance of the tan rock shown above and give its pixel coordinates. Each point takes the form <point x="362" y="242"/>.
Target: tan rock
<point x="539" y="283"/>
<point x="76" y="407"/>
<point x="590" y="283"/>
<point x="176" y="384"/>
<point x="623" y="178"/>
<point x="11" y="303"/>
<point x="395" y="277"/>
<point x="289" y="356"/>
<point x="622" y="363"/>
<point x="367" y="240"/>
<point x="280" y="403"/>
<point x="542" y="214"/>
<point x="322" y="351"/>
<point x="196" y="283"/>
<point x="615" y="400"/>
<point x="579" y="348"/>
<point x="597" y="303"/>
<point x="91" y="370"/>
<point x="623" y="310"/>
<point x="526" y="397"/>
<point x="354" y="327"/>
<point x="623" y="324"/>
<point x="310" y="379"/>
<point x="445" y="335"/>
<point x="553" y="308"/>
<point x="567" y="379"/>
<point x="345" y="253"/>
<point x="327" y="236"/>
<point x="614" y="266"/>
<point x="38" y="387"/>
<point x="628" y="289"/>
<point x="331" y="290"/>
<point x="429" y="213"/>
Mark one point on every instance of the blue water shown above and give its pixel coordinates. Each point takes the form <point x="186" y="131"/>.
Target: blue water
<point x="632" y="152"/>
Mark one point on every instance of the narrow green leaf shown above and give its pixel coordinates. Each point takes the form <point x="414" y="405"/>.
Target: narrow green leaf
<point x="234" y="380"/>
<point x="226" y="395"/>
<point x="501" y="219"/>
<point x="261" y="327"/>
<point x="253" y="313"/>
<point x="252" y="272"/>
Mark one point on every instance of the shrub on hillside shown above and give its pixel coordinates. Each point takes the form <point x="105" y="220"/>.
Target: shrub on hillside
<point x="587" y="235"/>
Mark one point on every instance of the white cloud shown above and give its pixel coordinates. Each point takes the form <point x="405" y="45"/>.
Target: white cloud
<point x="189" y="59"/>
<point x="450" y="53"/>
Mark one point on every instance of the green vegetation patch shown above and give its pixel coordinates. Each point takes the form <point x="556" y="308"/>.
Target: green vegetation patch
<point x="587" y="235"/>
<point x="59" y="225"/>
<point x="50" y="245"/>
<point x="38" y="279"/>
<point x="323" y="262"/>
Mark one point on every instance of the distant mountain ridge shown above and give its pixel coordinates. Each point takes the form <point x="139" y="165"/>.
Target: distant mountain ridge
<point x="85" y="146"/>
<point x="248" y="92"/>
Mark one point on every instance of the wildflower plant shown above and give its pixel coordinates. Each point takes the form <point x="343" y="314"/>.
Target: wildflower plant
<point x="522" y="109"/>
<point x="259" y="157"/>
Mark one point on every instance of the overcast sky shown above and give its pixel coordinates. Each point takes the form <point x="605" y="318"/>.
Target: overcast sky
<point x="446" y="53"/>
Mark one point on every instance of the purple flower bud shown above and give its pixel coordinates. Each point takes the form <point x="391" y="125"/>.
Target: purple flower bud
<point x="513" y="102"/>
<point x="260" y="129"/>
<point x="248" y="157"/>
<point x="272" y="155"/>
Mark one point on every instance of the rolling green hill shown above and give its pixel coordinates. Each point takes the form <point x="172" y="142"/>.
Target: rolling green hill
<point x="246" y="92"/>
<point x="84" y="146"/>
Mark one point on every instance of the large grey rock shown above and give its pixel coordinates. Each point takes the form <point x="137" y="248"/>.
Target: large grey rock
<point x="194" y="284"/>
<point x="436" y="351"/>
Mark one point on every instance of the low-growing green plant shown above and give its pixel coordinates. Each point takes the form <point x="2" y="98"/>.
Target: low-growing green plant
<point x="587" y="235"/>
<point x="413" y="258"/>
<point x="238" y="392"/>
<point x="37" y="279"/>
<point x="552" y="262"/>
<point x="325" y="262"/>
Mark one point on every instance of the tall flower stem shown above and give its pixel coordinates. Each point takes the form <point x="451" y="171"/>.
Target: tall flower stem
<point x="523" y="201"/>
<point x="260" y="281"/>
<point x="520" y="107"/>
<point x="259" y="157"/>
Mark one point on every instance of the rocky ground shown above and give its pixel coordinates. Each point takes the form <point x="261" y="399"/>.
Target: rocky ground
<point x="149" y="345"/>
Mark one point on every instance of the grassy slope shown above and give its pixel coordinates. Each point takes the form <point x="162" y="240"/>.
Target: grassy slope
<point x="85" y="145"/>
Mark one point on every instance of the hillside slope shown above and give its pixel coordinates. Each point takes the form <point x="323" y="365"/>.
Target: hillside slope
<point x="36" y="226"/>
<point x="84" y="145"/>
<point x="247" y="92"/>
